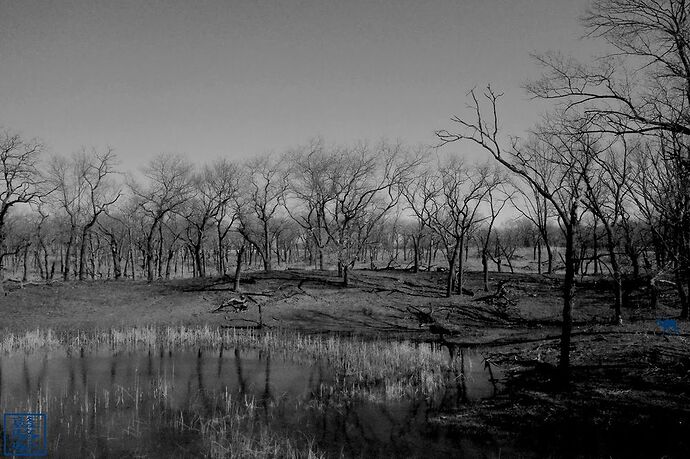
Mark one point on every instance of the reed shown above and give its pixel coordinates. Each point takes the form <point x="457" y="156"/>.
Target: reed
<point x="230" y="425"/>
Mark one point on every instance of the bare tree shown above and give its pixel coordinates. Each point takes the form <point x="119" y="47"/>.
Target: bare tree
<point x="311" y="192"/>
<point x="419" y="194"/>
<point x="101" y="193"/>
<point x="537" y="209"/>
<point x="226" y="183"/>
<point x="658" y="187"/>
<point x="566" y="145"/>
<point x="496" y="199"/>
<point x="213" y="188"/>
<point x="84" y="190"/>
<point x="168" y="187"/>
<point x="642" y="88"/>
<point x="366" y="187"/>
<point x="116" y="225"/>
<point x="259" y="205"/>
<point x="605" y="197"/>
<point x="21" y="182"/>
<point x="45" y="235"/>
<point x="448" y="199"/>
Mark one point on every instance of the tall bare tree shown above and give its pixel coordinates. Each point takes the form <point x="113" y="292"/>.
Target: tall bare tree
<point x="311" y="192"/>
<point x="21" y="182"/>
<point x="642" y="87"/>
<point x="260" y="203"/>
<point x="84" y="189"/>
<point x="366" y="186"/>
<point x="565" y="145"/>
<point x="214" y="187"/>
<point x="167" y="188"/>
<point x="447" y="199"/>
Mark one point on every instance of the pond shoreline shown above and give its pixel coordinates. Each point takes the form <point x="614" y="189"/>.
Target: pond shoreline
<point x="630" y="379"/>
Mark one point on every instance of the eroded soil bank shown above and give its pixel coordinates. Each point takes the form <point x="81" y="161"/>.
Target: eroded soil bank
<point x="630" y="392"/>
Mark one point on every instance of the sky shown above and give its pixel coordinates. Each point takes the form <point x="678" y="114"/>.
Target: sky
<point x="236" y="79"/>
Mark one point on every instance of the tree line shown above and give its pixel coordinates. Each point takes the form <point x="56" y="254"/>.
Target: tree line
<point x="80" y="217"/>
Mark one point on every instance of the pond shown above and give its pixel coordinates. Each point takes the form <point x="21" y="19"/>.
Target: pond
<point x="156" y="400"/>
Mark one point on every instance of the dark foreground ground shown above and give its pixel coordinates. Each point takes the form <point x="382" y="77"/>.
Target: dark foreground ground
<point x="630" y="395"/>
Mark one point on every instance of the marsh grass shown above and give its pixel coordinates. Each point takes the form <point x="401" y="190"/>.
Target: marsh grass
<point x="391" y="368"/>
<point x="229" y="425"/>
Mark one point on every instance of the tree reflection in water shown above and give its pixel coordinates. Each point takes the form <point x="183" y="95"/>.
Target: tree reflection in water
<point x="125" y="400"/>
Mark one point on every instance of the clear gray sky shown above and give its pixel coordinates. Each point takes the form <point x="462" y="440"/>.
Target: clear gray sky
<point x="238" y="78"/>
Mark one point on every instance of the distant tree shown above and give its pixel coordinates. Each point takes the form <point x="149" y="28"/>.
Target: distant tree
<point x="213" y="188"/>
<point x="496" y="199"/>
<point x="419" y="195"/>
<point x="45" y="235"/>
<point x="225" y="182"/>
<point x="260" y="202"/>
<point x="447" y="198"/>
<point x="168" y="186"/>
<point x="311" y="192"/>
<point x="366" y="186"/>
<point x="116" y="226"/>
<point x="538" y="210"/>
<point x="84" y="189"/>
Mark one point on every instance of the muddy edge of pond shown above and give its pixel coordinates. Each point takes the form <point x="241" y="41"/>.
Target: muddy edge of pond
<point x="624" y="376"/>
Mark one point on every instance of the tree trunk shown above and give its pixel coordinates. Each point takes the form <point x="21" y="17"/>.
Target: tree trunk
<point x="685" y="310"/>
<point x="45" y="259"/>
<point x="131" y="255"/>
<point x="168" y="262"/>
<point x="450" y="281"/>
<point x="39" y="263"/>
<point x="198" y="262"/>
<point x="148" y="257"/>
<point x="2" y="272"/>
<point x="595" y="255"/>
<point x="485" y="269"/>
<point x="82" y="254"/>
<point x="114" y="251"/>
<point x="415" y="246"/>
<point x="68" y="253"/>
<point x="221" y="256"/>
<point x="461" y="265"/>
<point x="25" y="267"/>
<point x="266" y="250"/>
<point x="238" y="268"/>
<point x="346" y="279"/>
<point x="634" y="261"/>
<point x="682" y="294"/>
<point x="159" y="256"/>
<point x="568" y="299"/>
<point x="428" y="266"/>
<point x="617" y="278"/>
<point x="509" y="260"/>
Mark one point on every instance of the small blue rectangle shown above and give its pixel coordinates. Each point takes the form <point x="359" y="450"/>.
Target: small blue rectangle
<point x="668" y="326"/>
<point x="25" y="434"/>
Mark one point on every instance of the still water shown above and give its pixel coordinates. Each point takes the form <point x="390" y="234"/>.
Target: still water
<point x="108" y="402"/>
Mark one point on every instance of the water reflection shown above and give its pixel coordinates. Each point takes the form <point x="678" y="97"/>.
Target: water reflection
<point x="102" y="401"/>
